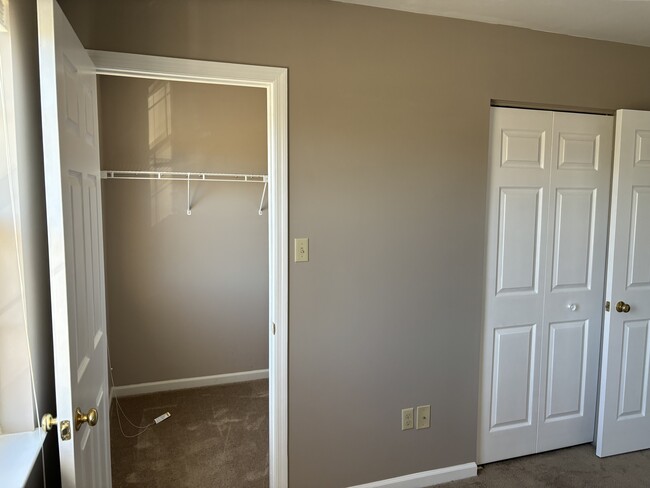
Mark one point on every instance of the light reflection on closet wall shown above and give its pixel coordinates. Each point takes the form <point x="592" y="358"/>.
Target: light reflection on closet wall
<point x="160" y="148"/>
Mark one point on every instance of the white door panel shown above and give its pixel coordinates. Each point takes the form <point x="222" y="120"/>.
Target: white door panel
<point x="634" y="370"/>
<point x="512" y="380"/>
<point x="575" y="215"/>
<point x="567" y="347"/>
<point x="517" y="206"/>
<point x="581" y="163"/>
<point x="524" y="148"/>
<point x="73" y="197"/>
<point x="518" y="241"/>
<point x="547" y="224"/>
<point x="623" y="421"/>
<point x="638" y="274"/>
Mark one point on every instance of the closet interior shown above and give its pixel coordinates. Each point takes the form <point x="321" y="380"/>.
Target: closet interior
<point x="184" y="180"/>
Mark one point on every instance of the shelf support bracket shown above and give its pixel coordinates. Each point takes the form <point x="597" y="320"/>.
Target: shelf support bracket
<point x="189" y="207"/>
<point x="262" y="199"/>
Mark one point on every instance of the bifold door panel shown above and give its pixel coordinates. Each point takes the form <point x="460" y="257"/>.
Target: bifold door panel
<point x="581" y="163"/>
<point x="547" y="226"/>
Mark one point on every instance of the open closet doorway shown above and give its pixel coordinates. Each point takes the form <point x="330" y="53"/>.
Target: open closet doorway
<point x="213" y="322"/>
<point x="184" y="168"/>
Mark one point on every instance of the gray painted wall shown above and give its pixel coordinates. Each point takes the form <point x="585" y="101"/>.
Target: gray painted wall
<point x="189" y="291"/>
<point x="33" y="219"/>
<point x="389" y="117"/>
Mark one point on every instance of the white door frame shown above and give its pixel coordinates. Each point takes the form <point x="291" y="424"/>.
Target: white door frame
<point x="274" y="81"/>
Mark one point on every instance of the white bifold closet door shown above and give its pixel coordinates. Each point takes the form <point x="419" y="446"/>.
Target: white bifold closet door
<point x="548" y="205"/>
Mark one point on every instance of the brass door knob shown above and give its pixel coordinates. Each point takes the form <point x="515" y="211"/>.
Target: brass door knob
<point x="622" y="307"/>
<point x="80" y="418"/>
<point x="48" y="421"/>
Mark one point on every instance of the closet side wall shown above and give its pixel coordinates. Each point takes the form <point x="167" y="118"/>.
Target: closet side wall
<point x="187" y="296"/>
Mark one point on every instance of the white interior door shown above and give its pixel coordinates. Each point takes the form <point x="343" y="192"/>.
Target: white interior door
<point x="73" y="198"/>
<point x="545" y="258"/>
<point x="623" y="420"/>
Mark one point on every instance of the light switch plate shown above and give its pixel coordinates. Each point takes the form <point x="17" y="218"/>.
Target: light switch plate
<point x="301" y="250"/>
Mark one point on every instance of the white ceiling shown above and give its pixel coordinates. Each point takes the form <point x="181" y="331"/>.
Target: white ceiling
<point x="625" y="21"/>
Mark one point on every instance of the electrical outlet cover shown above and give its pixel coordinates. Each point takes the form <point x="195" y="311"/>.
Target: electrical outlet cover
<point x="424" y="417"/>
<point x="407" y="418"/>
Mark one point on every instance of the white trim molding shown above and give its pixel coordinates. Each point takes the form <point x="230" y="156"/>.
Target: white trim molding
<point x="184" y="383"/>
<point x="426" y="478"/>
<point x="274" y="81"/>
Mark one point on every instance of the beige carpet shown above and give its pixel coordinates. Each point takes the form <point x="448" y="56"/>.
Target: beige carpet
<point x="566" y="468"/>
<point x="216" y="437"/>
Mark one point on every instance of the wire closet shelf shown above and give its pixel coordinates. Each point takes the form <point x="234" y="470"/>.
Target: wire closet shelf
<point x="188" y="177"/>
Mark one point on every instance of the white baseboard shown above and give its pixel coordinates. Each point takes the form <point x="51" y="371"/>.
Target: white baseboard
<point x="425" y="478"/>
<point x="183" y="383"/>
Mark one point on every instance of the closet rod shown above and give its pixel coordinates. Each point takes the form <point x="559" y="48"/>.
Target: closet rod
<point x="182" y="176"/>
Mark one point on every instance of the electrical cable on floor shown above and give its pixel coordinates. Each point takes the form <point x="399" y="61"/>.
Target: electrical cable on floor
<point x="143" y="428"/>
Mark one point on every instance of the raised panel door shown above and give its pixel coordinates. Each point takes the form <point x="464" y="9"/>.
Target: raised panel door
<point x="547" y="217"/>
<point x="623" y="420"/>
<point x="520" y="145"/>
<point x="73" y="198"/>
<point x="573" y="306"/>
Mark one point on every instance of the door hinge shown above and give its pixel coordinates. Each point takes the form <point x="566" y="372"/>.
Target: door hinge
<point x="273" y="328"/>
<point x="607" y="305"/>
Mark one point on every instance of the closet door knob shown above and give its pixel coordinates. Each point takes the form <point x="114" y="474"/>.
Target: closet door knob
<point x="622" y="307"/>
<point x="80" y="418"/>
<point x="572" y="306"/>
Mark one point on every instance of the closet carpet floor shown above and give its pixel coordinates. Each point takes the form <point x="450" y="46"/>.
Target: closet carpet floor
<point x="216" y="437"/>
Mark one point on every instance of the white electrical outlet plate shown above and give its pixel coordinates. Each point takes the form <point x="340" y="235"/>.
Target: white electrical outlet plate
<point x="424" y="414"/>
<point x="407" y="418"/>
<point x="301" y="250"/>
